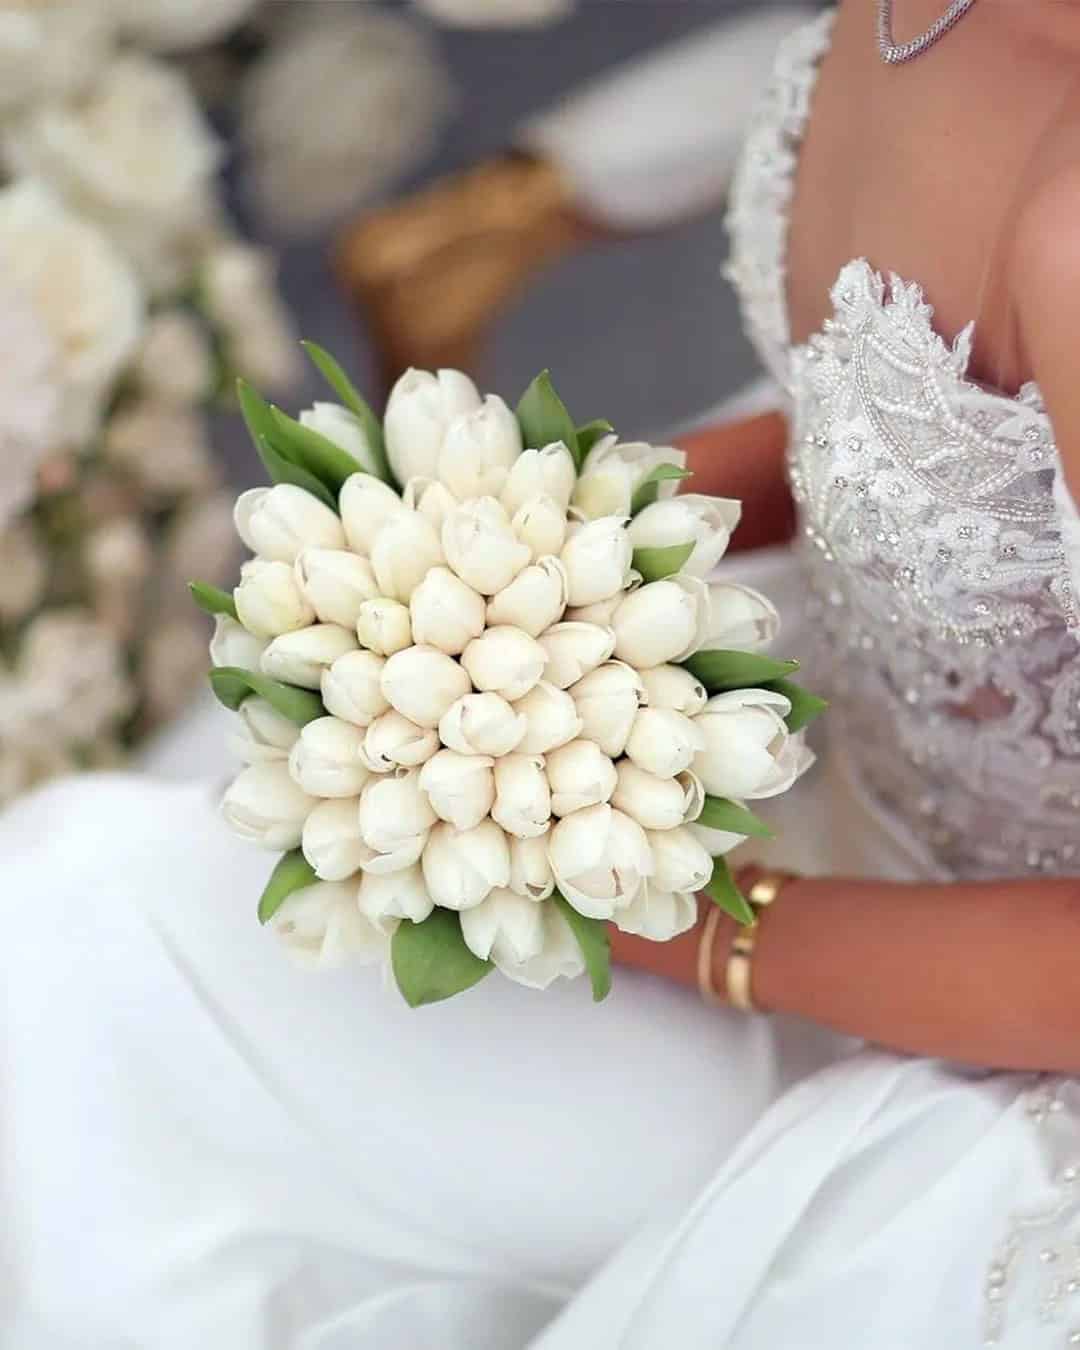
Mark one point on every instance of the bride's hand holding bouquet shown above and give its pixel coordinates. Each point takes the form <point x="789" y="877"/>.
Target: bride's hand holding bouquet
<point x="488" y="700"/>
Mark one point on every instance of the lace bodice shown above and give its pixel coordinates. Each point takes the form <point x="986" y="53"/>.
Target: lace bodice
<point x="935" y="531"/>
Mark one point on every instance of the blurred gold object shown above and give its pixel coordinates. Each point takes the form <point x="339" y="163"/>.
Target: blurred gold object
<point x="432" y="272"/>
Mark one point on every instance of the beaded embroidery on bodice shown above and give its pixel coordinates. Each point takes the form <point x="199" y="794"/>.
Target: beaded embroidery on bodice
<point x="931" y="538"/>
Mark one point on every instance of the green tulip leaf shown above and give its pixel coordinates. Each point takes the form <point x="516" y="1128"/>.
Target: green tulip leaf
<point x="284" y="470"/>
<point x="313" y="451"/>
<point x="590" y="433"/>
<point x="656" y="563"/>
<point x="336" y="378"/>
<point x="431" y="960"/>
<point x="805" y="706"/>
<point x="258" y="414"/>
<point x="723" y="891"/>
<point x="292" y="873"/>
<point x="595" y="942"/>
<point x="211" y="600"/>
<point x="720" y="671"/>
<point x="720" y="814"/>
<point x="543" y="418"/>
<point x="233" y="685"/>
<point x="648" y="490"/>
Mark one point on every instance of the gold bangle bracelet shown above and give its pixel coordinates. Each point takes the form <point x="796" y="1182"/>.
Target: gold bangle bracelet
<point x="705" y="956"/>
<point x="738" y="975"/>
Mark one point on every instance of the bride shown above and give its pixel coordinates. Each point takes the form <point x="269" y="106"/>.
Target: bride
<point x="202" y="1147"/>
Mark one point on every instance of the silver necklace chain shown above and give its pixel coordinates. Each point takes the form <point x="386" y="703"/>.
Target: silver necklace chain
<point x="894" y="53"/>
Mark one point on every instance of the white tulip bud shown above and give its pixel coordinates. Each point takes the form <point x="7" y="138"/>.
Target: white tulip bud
<point x="607" y="701"/>
<point x="387" y="899"/>
<point x="534" y="600"/>
<point x="325" y="760"/>
<point x="431" y="499"/>
<point x="560" y="957"/>
<point x="530" y="870"/>
<point x="322" y="927"/>
<point x="600" y="858"/>
<point x="551" y="719"/>
<point x="612" y="472"/>
<point x="352" y="688"/>
<point x="461" y="788"/>
<point x="658" y="915"/>
<point x="504" y="661"/>
<point x="749" y="751"/>
<point x="597" y="561"/>
<point x="522" y="796"/>
<point x="708" y="522"/>
<point x="263" y="804"/>
<point x="675" y="688"/>
<point x="715" y="842"/>
<point x="403" y="551"/>
<point x="445" y="612"/>
<point x="479" y="449"/>
<point x="481" y="547"/>
<point x="663" y="742"/>
<point x="461" y="868"/>
<point x="573" y="649"/>
<point x="261" y="733"/>
<point x="383" y="626"/>
<point x="174" y="362"/>
<point x="599" y="614"/>
<point x="579" y="775"/>
<point x="336" y="583"/>
<point x="682" y="862"/>
<point x="268" y="600"/>
<point x="394" y="812"/>
<point x="505" y="928"/>
<point x="540" y="525"/>
<point x="419" y="411"/>
<point x="367" y="503"/>
<point x="332" y="843"/>
<point x="233" y="645"/>
<point x="739" y="619"/>
<point x="548" y="472"/>
<point x="663" y="621"/>
<point x="344" y="429"/>
<point x="302" y="657"/>
<point x="392" y="741"/>
<point x="277" y="522"/>
<point x="482" y="724"/>
<point x="655" y="803"/>
<point x="422" y="683"/>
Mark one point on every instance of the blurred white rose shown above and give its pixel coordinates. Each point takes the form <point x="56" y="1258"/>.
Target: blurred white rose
<point x="30" y="402"/>
<point x="419" y="412"/>
<point x="240" y="295"/>
<point x="496" y="13"/>
<point x="74" y="676"/>
<point x="134" y="153"/>
<point x="265" y="805"/>
<point x="601" y="858"/>
<point x="51" y="49"/>
<point x="164" y="446"/>
<point x="310" y="161"/>
<point x="178" y="25"/>
<point x="749" y="751"/>
<point x="24" y="570"/>
<point x="174" y="363"/>
<point x="321" y="927"/>
<point x="83" y="292"/>
<point x="344" y="429"/>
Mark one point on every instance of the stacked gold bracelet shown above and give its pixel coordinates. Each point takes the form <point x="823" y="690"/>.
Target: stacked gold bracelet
<point x="761" y="892"/>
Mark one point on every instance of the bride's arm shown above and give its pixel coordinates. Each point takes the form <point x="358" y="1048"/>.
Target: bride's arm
<point x="976" y="972"/>
<point x="745" y="459"/>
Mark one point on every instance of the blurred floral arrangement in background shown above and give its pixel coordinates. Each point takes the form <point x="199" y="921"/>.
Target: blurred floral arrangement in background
<point x="127" y="303"/>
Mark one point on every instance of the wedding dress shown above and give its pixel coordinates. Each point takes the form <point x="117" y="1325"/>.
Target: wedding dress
<point x="202" y="1146"/>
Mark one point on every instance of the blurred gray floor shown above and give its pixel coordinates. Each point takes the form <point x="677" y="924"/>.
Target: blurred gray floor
<point x="644" y="332"/>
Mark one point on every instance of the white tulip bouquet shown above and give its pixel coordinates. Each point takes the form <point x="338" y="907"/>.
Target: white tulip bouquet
<point x="487" y="699"/>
